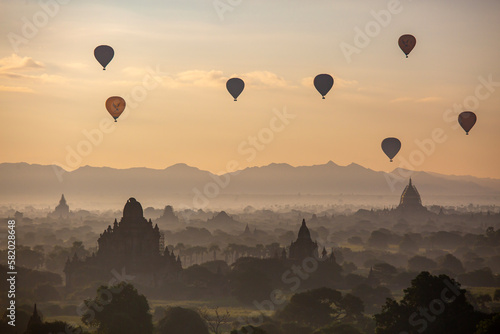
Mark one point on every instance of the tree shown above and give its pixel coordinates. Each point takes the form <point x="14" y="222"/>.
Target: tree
<point x="379" y="239"/>
<point x="434" y="304"/>
<point x="420" y="263"/>
<point x="338" y="329"/>
<point x="384" y="271"/>
<point x="214" y="248"/>
<point x="496" y="296"/>
<point x="489" y="326"/>
<point x="254" y="279"/>
<point x="180" y="320"/>
<point x="46" y="292"/>
<point x="53" y="327"/>
<point x="481" y="277"/>
<point x="372" y="297"/>
<point x="29" y="258"/>
<point x="118" y="309"/>
<point x="215" y="321"/>
<point x="451" y="263"/>
<point x="22" y="318"/>
<point x="249" y="330"/>
<point x="408" y="245"/>
<point x="319" y="307"/>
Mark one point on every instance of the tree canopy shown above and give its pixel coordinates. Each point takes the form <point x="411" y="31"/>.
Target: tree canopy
<point x="319" y="307"/>
<point x="178" y="320"/>
<point x="118" y="309"/>
<point x="434" y="304"/>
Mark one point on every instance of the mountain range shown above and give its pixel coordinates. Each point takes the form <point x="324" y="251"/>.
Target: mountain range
<point x="32" y="183"/>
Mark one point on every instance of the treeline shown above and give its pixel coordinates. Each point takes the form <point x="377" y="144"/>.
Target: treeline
<point x="431" y="304"/>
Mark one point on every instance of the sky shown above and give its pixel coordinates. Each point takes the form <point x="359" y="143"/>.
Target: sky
<point x="173" y="58"/>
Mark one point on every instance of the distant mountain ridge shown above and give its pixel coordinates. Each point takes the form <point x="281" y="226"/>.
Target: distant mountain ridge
<point x="23" y="182"/>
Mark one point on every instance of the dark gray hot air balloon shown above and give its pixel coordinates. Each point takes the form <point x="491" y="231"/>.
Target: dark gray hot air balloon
<point x="235" y="86"/>
<point x="407" y="43"/>
<point x="323" y="83"/>
<point x="467" y="119"/>
<point x="391" y="147"/>
<point x="104" y="54"/>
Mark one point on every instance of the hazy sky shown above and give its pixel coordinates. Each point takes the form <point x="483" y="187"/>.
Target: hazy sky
<point x="172" y="59"/>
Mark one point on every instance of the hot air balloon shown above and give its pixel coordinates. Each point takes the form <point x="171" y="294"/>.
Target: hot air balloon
<point x="104" y="54"/>
<point x="467" y="119"/>
<point x="391" y="147"/>
<point x="115" y="106"/>
<point x="323" y="83"/>
<point x="407" y="43"/>
<point x="235" y="86"/>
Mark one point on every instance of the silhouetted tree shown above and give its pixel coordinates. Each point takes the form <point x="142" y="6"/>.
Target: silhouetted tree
<point x="496" y="295"/>
<point x="451" y="263"/>
<point x="214" y="248"/>
<point x="46" y="292"/>
<point x="180" y="320"/>
<point x="338" y="329"/>
<point x="254" y="279"/>
<point x="434" y="304"/>
<point x="215" y="320"/>
<point x="408" y="245"/>
<point x="420" y="263"/>
<point x="249" y="330"/>
<point x="481" y="277"/>
<point x="489" y="326"/>
<point x="384" y="271"/>
<point x="372" y="297"/>
<point x="379" y="239"/>
<point x="118" y="309"/>
<point x="21" y="322"/>
<point x="320" y="307"/>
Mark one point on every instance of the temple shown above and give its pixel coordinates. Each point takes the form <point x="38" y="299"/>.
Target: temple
<point x="62" y="209"/>
<point x="303" y="247"/>
<point x="410" y="200"/>
<point x="131" y="245"/>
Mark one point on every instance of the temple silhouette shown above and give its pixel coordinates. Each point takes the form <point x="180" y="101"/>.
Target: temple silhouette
<point x="131" y="245"/>
<point x="304" y="246"/>
<point x="410" y="202"/>
<point x="61" y="210"/>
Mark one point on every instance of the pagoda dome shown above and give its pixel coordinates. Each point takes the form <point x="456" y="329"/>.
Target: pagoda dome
<point x="132" y="209"/>
<point x="304" y="231"/>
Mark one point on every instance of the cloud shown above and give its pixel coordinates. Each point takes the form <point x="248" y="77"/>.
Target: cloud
<point x="16" y="89"/>
<point x="199" y="78"/>
<point x="417" y="100"/>
<point x="401" y="99"/>
<point x="428" y="99"/>
<point x="16" y="63"/>
<point x="21" y="68"/>
<point x="264" y="79"/>
<point x="77" y="66"/>
<point x="216" y="78"/>
<point x="44" y="77"/>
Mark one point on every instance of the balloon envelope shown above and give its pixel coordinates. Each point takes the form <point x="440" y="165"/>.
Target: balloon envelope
<point x="407" y="43"/>
<point x="235" y="86"/>
<point x="104" y="54"/>
<point x="115" y="106"/>
<point x="467" y="119"/>
<point x="323" y="83"/>
<point x="391" y="147"/>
